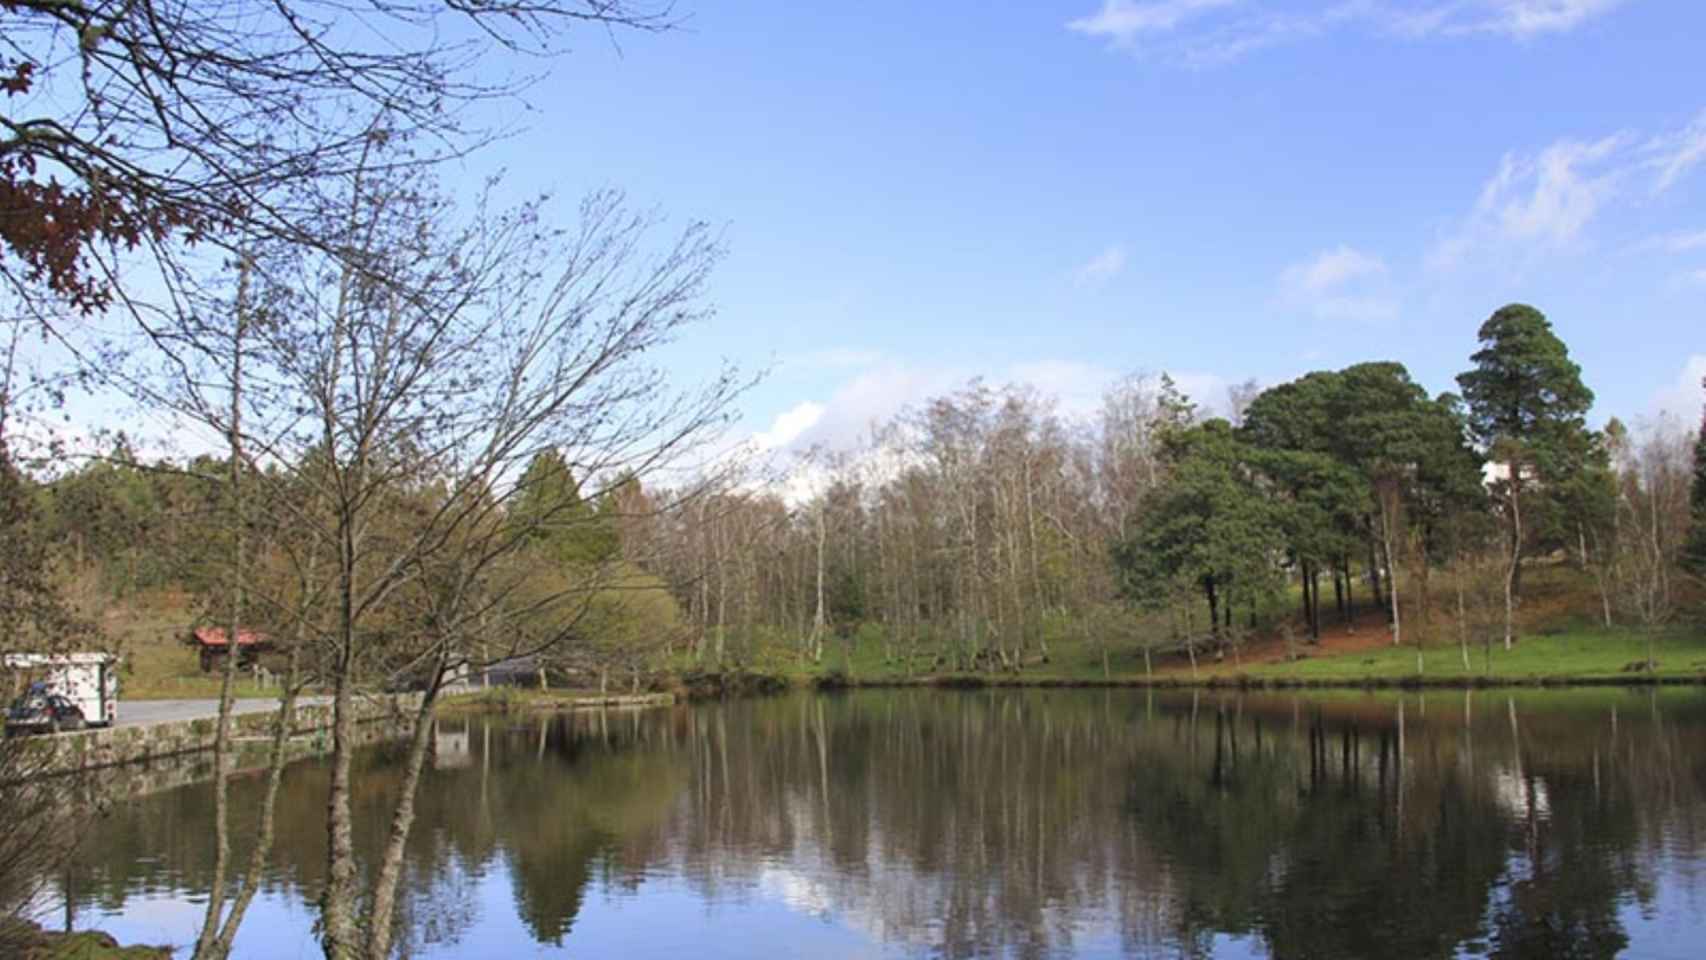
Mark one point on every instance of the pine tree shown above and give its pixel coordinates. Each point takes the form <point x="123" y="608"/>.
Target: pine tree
<point x="1694" y="554"/>
<point x="1527" y="409"/>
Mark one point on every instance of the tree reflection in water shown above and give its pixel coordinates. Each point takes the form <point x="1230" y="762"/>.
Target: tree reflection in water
<point x="1018" y="823"/>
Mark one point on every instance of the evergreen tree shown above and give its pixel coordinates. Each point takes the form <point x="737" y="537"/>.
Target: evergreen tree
<point x="1210" y="528"/>
<point x="1694" y="554"/>
<point x="549" y="513"/>
<point x="1527" y="407"/>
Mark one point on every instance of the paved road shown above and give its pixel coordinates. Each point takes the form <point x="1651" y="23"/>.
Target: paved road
<point x="135" y="713"/>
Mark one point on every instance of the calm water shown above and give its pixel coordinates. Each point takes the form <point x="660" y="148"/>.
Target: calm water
<point x="1001" y="823"/>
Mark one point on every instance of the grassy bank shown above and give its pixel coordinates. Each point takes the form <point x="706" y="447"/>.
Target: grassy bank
<point x="32" y="943"/>
<point x="1577" y="653"/>
<point x="156" y="664"/>
<point x="1560" y="641"/>
<point x="1580" y="652"/>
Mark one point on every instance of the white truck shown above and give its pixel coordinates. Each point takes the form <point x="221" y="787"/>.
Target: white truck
<point x="89" y="680"/>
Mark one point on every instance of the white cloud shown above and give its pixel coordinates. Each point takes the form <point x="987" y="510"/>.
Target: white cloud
<point x="788" y="426"/>
<point x="1527" y="17"/>
<point x="1122" y="21"/>
<point x="843" y="419"/>
<point x="1332" y="269"/>
<point x="1203" y="32"/>
<point x="842" y="423"/>
<point x="1209" y="391"/>
<point x="1077" y="387"/>
<point x="874" y="396"/>
<point x="1101" y="268"/>
<point x="1551" y="198"/>
<point x="1679" y="242"/>
<point x="1676" y="154"/>
<point x="1542" y="202"/>
<point x="1341" y="285"/>
<point x="1686" y="397"/>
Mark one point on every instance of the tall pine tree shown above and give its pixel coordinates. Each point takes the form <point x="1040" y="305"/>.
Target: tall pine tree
<point x="1527" y="409"/>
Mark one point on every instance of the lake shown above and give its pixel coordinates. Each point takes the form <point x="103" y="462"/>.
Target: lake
<point x="1007" y="823"/>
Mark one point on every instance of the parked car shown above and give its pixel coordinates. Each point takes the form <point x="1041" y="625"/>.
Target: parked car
<point x="88" y="680"/>
<point x="39" y="711"/>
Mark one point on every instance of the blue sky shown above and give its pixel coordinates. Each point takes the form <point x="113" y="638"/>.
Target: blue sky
<point x="1066" y="192"/>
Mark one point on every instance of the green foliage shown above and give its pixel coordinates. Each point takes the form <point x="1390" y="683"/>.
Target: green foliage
<point x="1694" y="552"/>
<point x="1332" y="440"/>
<point x="630" y="619"/>
<point x="1523" y="385"/>
<point x="548" y="513"/>
<point x="33" y="613"/>
<point x="1209" y="526"/>
<point x="1527" y="407"/>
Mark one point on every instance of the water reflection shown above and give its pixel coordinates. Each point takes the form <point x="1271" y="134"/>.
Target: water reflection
<point x="1016" y="823"/>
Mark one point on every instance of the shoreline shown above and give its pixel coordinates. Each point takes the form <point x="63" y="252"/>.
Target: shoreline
<point x="688" y="688"/>
<point x="519" y="700"/>
<point x="743" y="682"/>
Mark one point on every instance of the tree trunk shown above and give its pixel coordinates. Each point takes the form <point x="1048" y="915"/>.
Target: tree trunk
<point x="1308" y="607"/>
<point x="251" y="882"/>
<point x="206" y="943"/>
<point x="1213" y="607"/>
<point x="339" y="930"/>
<point x="1462" y="617"/>
<point x="1347" y="605"/>
<point x="1515" y="586"/>
<point x="1315" y="603"/>
<point x="1513" y="573"/>
<point x="1392" y="592"/>
<point x="818" y="625"/>
<point x="1374" y="576"/>
<point x="379" y="917"/>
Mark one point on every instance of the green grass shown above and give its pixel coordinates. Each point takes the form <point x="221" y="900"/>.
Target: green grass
<point x="1579" y="653"/>
<point x="1576" y="651"/>
<point x="155" y="664"/>
<point x="37" y="944"/>
<point x="1559" y="642"/>
<point x="169" y="670"/>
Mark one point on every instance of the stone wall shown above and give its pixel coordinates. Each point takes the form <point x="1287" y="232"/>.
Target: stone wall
<point x="180" y="748"/>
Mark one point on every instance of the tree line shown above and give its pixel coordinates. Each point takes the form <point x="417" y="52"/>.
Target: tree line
<point x="975" y="531"/>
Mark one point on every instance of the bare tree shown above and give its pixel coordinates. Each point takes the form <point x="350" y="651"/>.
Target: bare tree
<point x="1653" y="509"/>
<point x="166" y="122"/>
<point x="434" y="360"/>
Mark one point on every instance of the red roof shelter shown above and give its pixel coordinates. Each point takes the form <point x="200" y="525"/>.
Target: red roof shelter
<point x="214" y="643"/>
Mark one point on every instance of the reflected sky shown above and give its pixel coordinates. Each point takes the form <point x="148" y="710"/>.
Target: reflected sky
<point x="1019" y="823"/>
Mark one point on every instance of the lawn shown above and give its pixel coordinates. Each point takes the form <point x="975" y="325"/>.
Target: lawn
<point x="154" y="662"/>
<point x="1575" y="652"/>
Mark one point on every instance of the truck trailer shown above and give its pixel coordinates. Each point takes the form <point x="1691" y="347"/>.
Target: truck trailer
<point x="89" y="680"/>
